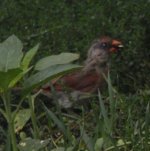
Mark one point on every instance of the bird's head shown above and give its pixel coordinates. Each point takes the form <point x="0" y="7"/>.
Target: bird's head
<point x="109" y="44"/>
<point x="102" y="48"/>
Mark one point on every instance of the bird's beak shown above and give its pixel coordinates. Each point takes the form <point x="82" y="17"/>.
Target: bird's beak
<point x="116" y="45"/>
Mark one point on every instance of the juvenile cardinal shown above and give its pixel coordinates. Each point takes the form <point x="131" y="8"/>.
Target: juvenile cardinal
<point x="70" y="88"/>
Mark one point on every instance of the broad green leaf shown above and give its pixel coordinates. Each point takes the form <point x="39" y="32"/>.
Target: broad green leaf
<point x="7" y="77"/>
<point x="30" y="144"/>
<point x="28" y="57"/>
<point x="18" y="77"/>
<point x="62" y="58"/>
<point x="10" y="53"/>
<point x="21" y="119"/>
<point x="99" y="144"/>
<point x="48" y="74"/>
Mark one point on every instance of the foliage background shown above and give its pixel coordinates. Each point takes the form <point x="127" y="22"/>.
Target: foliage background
<point x="71" y="25"/>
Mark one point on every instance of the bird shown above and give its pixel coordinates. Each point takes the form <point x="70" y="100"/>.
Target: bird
<point x="70" y="88"/>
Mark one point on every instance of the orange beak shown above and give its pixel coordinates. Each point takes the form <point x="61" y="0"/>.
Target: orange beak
<point x="116" y="45"/>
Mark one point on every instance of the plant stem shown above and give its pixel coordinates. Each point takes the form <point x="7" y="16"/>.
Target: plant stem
<point x="6" y="100"/>
<point x="33" y="117"/>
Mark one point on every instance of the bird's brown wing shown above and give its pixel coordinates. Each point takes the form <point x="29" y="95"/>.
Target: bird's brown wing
<point x="84" y="83"/>
<point x="75" y="81"/>
<point x="81" y="81"/>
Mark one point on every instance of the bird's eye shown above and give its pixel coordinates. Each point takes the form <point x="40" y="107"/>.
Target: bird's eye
<point x="104" y="45"/>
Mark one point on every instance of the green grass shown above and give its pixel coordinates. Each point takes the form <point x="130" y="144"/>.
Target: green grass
<point x="112" y="121"/>
<point x="114" y="118"/>
<point x="122" y="124"/>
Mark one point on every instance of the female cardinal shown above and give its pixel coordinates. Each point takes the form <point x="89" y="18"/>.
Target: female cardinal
<point x="90" y="78"/>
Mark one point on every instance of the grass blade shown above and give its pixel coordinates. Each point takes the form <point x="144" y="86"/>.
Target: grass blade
<point x="88" y="141"/>
<point x="59" y="123"/>
<point x="104" y="113"/>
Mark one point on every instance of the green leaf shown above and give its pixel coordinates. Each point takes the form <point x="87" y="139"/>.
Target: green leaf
<point x="21" y="119"/>
<point x="18" y="77"/>
<point x="7" y="77"/>
<point x="28" y="57"/>
<point x="88" y="141"/>
<point x="62" y="58"/>
<point x="32" y="144"/>
<point x="99" y="144"/>
<point x="48" y="74"/>
<point x="120" y="142"/>
<point x="10" y="53"/>
<point x="63" y="149"/>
